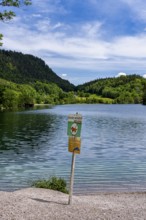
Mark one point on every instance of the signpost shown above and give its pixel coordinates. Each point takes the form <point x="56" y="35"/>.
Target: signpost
<point x="74" y="125"/>
<point x="74" y="144"/>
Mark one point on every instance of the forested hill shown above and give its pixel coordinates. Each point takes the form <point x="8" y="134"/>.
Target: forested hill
<point x="21" y="68"/>
<point x="123" y="89"/>
<point x="26" y="74"/>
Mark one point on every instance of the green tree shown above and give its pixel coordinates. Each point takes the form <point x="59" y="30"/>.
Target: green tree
<point x="144" y="95"/>
<point x="28" y="95"/>
<point x="1" y="39"/>
<point x="6" y="15"/>
<point x="10" y="99"/>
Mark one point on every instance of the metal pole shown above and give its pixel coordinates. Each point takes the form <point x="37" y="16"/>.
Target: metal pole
<point x="71" y="179"/>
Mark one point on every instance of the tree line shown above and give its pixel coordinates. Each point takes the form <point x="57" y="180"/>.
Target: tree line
<point x="26" y="80"/>
<point x="15" y="96"/>
<point x="122" y="90"/>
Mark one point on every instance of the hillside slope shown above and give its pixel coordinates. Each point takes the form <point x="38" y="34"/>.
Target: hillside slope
<point x="21" y="68"/>
<point x="124" y="89"/>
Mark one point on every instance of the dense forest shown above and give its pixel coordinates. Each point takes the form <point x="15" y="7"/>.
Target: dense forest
<point x="13" y="96"/>
<point x="25" y="68"/>
<point x="122" y="90"/>
<point x="26" y="80"/>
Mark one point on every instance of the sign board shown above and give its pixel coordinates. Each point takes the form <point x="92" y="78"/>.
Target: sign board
<point x="74" y="144"/>
<point x="74" y="125"/>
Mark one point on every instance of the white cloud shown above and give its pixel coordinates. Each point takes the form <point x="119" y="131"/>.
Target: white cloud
<point x="58" y="42"/>
<point x="129" y="46"/>
<point x="91" y="29"/>
<point x="113" y="8"/>
<point x="121" y="74"/>
<point x="63" y="75"/>
<point x="49" y="6"/>
<point x="43" y="25"/>
<point x="144" y="76"/>
<point x="58" y="25"/>
<point x="79" y="51"/>
<point x="36" y="15"/>
<point x="138" y="7"/>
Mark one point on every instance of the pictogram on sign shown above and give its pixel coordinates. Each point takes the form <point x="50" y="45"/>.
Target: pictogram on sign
<point x="74" y="125"/>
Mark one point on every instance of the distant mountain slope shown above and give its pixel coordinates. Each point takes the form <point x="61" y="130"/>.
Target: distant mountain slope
<point x="21" y="68"/>
<point x="124" y="89"/>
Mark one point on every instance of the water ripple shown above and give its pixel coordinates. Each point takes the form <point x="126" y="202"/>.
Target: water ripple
<point x="33" y="145"/>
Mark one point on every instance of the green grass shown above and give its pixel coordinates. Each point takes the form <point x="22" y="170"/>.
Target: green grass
<point x="93" y="98"/>
<point x="53" y="183"/>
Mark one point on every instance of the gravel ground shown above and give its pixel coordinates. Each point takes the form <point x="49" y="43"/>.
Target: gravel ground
<point x="43" y="204"/>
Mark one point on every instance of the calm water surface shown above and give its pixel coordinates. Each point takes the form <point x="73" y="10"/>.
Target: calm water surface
<point x="34" y="145"/>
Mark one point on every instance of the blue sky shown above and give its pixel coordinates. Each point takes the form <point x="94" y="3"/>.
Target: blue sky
<point x="82" y="40"/>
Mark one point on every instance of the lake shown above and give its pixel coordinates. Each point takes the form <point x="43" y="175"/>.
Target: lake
<point x="34" y="145"/>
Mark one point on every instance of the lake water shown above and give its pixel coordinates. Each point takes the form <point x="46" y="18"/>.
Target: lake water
<point x="34" y="145"/>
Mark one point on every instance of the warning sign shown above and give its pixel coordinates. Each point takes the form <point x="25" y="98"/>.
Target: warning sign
<point x="74" y="125"/>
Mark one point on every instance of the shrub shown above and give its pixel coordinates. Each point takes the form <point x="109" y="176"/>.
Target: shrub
<point x="53" y="183"/>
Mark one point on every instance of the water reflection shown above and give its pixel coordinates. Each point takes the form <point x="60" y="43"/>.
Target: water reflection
<point x="33" y="144"/>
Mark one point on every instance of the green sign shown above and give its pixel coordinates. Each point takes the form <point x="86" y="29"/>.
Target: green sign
<point x="74" y="125"/>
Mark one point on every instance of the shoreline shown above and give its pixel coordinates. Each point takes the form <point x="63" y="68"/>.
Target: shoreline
<point x="85" y="192"/>
<point x="45" y="204"/>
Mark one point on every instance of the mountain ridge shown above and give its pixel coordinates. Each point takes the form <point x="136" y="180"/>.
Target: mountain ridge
<point x="25" y="68"/>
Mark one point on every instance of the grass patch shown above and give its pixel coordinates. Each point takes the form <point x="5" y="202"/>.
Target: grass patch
<point x="53" y="183"/>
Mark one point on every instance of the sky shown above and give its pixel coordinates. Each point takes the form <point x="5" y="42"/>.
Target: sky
<point x="81" y="40"/>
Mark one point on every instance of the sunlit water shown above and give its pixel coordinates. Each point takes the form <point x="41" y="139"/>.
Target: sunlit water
<point x="34" y="145"/>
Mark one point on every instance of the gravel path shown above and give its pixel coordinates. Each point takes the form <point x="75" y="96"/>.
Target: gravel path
<point x="43" y="204"/>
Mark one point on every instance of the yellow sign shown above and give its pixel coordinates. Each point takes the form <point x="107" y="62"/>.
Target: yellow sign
<point x="74" y="144"/>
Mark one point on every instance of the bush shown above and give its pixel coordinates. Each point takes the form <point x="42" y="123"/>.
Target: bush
<point x="53" y="183"/>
